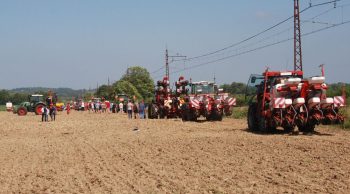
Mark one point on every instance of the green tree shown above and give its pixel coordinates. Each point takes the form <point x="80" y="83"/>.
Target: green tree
<point x="88" y="96"/>
<point x="4" y="96"/>
<point x="125" y="87"/>
<point x="106" y="91"/>
<point x="140" y="78"/>
<point x="234" y="88"/>
<point x="18" y="98"/>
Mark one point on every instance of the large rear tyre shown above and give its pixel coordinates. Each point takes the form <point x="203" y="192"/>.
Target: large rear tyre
<point x="162" y="113"/>
<point x="22" y="111"/>
<point x="37" y="109"/>
<point x="263" y="125"/>
<point x="288" y="129"/>
<point x="251" y="118"/>
<point x="152" y="111"/>
<point x="219" y="117"/>
<point x="308" y="128"/>
<point x="192" y="117"/>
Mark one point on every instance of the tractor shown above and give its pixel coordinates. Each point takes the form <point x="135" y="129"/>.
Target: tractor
<point x="206" y="100"/>
<point x="159" y="107"/>
<point x="168" y="104"/>
<point x="287" y="100"/>
<point x="34" y="104"/>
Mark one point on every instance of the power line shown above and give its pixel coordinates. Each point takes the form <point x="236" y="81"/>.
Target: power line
<point x="261" y="47"/>
<point x="262" y="32"/>
<point x="258" y="34"/>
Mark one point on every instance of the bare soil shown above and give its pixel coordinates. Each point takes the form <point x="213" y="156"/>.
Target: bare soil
<point x="107" y="153"/>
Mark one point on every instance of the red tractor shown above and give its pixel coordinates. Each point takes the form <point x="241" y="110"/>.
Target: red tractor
<point x="285" y="99"/>
<point x="162" y="93"/>
<point x="208" y="101"/>
<point x="166" y="104"/>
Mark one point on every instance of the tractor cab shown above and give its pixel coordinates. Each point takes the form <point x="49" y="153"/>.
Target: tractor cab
<point x="35" y="98"/>
<point x="254" y="86"/>
<point x="204" y="88"/>
<point x="273" y="83"/>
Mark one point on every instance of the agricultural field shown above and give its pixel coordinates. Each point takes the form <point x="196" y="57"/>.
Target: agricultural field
<point x="107" y="153"/>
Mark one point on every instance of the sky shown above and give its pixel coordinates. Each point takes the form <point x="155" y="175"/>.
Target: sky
<point x="83" y="43"/>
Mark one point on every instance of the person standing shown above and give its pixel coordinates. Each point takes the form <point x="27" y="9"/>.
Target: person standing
<point x="68" y="108"/>
<point x="136" y="110"/>
<point x="121" y="105"/>
<point x="53" y="113"/>
<point x="44" y="114"/>
<point x="142" y="110"/>
<point x="108" y="106"/>
<point x="130" y="107"/>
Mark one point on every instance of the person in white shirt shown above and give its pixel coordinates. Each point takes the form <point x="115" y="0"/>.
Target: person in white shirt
<point x="121" y="107"/>
<point x="44" y="114"/>
<point x="130" y="107"/>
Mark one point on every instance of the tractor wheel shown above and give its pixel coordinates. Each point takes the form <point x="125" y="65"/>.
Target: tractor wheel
<point x="308" y="128"/>
<point x="184" y="117"/>
<point x="219" y="116"/>
<point x="216" y="116"/>
<point x="38" y="108"/>
<point x="22" y="111"/>
<point x="252" y="121"/>
<point x="162" y="113"/>
<point x="263" y="125"/>
<point x="208" y="117"/>
<point x="192" y="116"/>
<point x="288" y="129"/>
<point x="152" y="111"/>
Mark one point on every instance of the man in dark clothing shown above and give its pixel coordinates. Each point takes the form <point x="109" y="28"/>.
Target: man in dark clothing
<point x="53" y="113"/>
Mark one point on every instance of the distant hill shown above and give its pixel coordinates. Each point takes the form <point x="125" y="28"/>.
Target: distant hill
<point x="61" y="92"/>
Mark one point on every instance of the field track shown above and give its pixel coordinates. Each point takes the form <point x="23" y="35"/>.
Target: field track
<point x="106" y="153"/>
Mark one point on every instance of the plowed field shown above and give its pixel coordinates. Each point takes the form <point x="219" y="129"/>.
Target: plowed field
<point x="107" y="153"/>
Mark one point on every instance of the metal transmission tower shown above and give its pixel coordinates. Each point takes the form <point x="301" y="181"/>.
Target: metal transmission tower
<point x="166" y="64"/>
<point x="298" y="61"/>
<point x="167" y="73"/>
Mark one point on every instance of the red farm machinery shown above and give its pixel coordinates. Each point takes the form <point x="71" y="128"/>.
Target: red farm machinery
<point x="285" y="99"/>
<point x="208" y="101"/>
<point x="288" y="100"/>
<point x="166" y="104"/>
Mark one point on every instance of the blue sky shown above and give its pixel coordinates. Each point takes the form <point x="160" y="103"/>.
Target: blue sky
<point x="77" y="44"/>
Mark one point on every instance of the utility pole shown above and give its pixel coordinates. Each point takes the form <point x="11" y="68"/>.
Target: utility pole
<point x="166" y="63"/>
<point x="298" y="61"/>
<point x="167" y="71"/>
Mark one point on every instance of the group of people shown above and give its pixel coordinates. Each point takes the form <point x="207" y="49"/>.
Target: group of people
<point x="137" y="110"/>
<point x="99" y="107"/>
<point x="49" y="110"/>
<point x="133" y="109"/>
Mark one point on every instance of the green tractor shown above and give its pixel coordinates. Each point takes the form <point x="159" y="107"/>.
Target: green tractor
<point x="35" y="104"/>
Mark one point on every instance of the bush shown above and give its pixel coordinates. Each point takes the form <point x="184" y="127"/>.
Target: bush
<point x="240" y="112"/>
<point x="2" y="108"/>
<point x="346" y="124"/>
